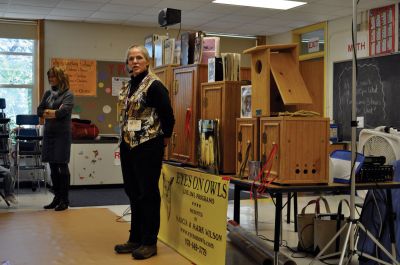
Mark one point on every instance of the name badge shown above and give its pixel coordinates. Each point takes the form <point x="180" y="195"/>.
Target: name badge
<point x="134" y="125"/>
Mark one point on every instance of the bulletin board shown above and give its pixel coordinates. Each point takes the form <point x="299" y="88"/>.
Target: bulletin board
<point x="102" y="108"/>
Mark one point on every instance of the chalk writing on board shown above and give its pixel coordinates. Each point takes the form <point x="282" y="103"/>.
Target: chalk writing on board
<point x="370" y="96"/>
<point x="376" y="86"/>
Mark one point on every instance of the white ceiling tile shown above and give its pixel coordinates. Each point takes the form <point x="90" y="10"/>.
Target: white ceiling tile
<point x="110" y="15"/>
<point x="192" y="21"/>
<point x="148" y="19"/>
<point x="217" y="8"/>
<point x="45" y="3"/>
<point x="65" y="18"/>
<point x="80" y="5"/>
<point x="71" y="12"/>
<point x="342" y="3"/>
<point x="196" y="14"/>
<point x="238" y="18"/>
<point x="317" y="8"/>
<point x="23" y="15"/>
<point x="252" y="27"/>
<point x="220" y="25"/>
<point x="179" y="4"/>
<point x="201" y="15"/>
<point x="256" y="12"/>
<point x="98" y="1"/>
<point x="270" y="22"/>
<point x="122" y="8"/>
<point x="28" y="9"/>
<point x="202" y="1"/>
<point x="152" y="11"/>
<point x="147" y="3"/>
<point x="293" y="15"/>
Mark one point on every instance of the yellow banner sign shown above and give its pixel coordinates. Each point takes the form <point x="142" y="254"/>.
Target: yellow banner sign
<point x="81" y="73"/>
<point x="193" y="214"/>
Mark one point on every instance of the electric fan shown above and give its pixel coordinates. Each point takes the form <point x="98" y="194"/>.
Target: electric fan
<point x="377" y="142"/>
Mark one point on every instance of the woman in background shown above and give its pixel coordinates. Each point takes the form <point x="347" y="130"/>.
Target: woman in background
<point x="56" y="108"/>
<point x="146" y="125"/>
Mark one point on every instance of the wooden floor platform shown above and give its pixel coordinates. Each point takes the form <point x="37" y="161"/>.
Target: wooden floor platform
<point x="77" y="236"/>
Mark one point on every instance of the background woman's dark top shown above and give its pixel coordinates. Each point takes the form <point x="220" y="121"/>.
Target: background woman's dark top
<point x="57" y="132"/>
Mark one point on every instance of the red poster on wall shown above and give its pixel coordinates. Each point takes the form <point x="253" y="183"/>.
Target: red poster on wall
<point x="382" y="30"/>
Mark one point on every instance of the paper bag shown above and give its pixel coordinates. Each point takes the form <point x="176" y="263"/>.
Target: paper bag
<point x="305" y="225"/>
<point x="325" y="228"/>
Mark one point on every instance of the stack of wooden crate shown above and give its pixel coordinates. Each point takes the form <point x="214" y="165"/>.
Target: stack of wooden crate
<point x="193" y="98"/>
<point x="302" y="142"/>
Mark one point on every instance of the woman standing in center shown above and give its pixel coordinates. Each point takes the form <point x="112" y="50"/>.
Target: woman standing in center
<point x="56" y="108"/>
<point x="146" y="125"/>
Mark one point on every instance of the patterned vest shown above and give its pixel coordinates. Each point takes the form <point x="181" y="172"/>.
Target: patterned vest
<point x="134" y="108"/>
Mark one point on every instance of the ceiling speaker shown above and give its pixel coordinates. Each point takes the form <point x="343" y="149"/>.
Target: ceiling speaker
<point x="169" y="16"/>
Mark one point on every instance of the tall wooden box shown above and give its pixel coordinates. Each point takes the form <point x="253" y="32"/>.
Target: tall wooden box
<point x="302" y="156"/>
<point x="185" y="102"/>
<point x="165" y="73"/>
<point x="276" y="79"/>
<point x="221" y="100"/>
<point x="247" y="138"/>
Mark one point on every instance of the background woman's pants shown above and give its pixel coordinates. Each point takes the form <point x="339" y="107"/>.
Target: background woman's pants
<point x="60" y="177"/>
<point x="141" y="169"/>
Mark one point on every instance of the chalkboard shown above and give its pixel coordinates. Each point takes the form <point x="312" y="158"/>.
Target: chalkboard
<point x="378" y="93"/>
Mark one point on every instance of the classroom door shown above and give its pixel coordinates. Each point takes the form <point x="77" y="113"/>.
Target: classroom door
<point x="313" y="75"/>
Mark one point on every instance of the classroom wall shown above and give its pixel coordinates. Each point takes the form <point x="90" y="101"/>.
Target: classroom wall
<point x="339" y="36"/>
<point x="106" y="42"/>
<point x="109" y="42"/>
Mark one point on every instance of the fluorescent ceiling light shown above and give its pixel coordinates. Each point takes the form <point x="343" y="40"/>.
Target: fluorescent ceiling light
<point x="273" y="4"/>
<point x="230" y="35"/>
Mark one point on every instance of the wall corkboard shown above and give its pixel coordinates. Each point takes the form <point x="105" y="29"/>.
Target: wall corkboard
<point x="102" y="108"/>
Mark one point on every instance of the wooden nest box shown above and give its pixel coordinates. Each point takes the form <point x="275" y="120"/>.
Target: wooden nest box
<point x="282" y="61"/>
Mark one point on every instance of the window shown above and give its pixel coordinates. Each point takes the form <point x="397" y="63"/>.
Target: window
<point x="311" y="40"/>
<point x="17" y="75"/>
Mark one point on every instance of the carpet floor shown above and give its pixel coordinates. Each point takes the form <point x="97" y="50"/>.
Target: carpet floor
<point x="82" y="197"/>
<point x="97" y="197"/>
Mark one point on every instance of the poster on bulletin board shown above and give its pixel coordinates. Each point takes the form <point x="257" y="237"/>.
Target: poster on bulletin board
<point x="81" y="73"/>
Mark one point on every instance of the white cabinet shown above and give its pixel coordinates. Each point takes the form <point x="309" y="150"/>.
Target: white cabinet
<point x="95" y="163"/>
